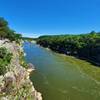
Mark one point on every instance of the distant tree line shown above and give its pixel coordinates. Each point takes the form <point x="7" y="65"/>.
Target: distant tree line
<point x="28" y="38"/>
<point x="85" y="46"/>
<point x="6" y="32"/>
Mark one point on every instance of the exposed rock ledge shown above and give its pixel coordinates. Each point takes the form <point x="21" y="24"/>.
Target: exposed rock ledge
<point x="15" y="84"/>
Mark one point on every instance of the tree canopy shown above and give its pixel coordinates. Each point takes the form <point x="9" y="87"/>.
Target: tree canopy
<point x="84" y="45"/>
<point x="6" y="32"/>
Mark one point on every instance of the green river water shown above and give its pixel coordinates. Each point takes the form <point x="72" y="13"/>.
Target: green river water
<point x="60" y="77"/>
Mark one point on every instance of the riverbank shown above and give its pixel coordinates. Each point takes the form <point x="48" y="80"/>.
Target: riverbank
<point x="86" y="66"/>
<point x="15" y="84"/>
<point x="74" y="56"/>
<point x="83" y="46"/>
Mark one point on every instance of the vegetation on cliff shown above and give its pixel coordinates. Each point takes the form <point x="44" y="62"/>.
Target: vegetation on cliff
<point x="6" y="32"/>
<point x="15" y="83"/>
<point x="83" y="46"/>
<point x="5" y="58"/>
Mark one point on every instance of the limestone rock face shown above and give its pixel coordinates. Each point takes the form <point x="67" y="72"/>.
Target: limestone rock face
<point x="15" y="84"/>
<point x="31" y="66"/>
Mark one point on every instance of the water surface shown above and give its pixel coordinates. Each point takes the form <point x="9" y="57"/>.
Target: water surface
<point x="57" y="78"/>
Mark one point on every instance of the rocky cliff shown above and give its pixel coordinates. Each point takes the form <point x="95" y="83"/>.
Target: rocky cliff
<point x="15" y="83"/>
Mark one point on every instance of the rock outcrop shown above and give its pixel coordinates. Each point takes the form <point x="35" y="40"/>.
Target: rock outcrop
<point x="16" y="84"/>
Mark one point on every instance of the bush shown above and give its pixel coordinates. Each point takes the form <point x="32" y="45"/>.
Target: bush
<point x="5" y="58"/>
<point x="22" y="60"/>
<point x="3" y="52"/>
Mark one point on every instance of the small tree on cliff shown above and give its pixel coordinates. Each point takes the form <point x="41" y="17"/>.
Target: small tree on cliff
<point x="6" y="32"/>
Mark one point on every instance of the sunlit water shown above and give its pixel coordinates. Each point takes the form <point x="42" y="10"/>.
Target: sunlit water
<point x="58" y="79"/>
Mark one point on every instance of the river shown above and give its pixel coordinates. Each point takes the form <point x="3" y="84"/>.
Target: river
<point x="59" y="78"/>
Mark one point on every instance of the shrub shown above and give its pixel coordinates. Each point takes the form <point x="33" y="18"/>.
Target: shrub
<point x="5" y="58"/>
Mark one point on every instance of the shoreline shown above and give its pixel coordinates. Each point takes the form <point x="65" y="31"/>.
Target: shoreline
<point x="80" y="58"/>
<point x="38" y="95"/>
<point x="31" y="68"/>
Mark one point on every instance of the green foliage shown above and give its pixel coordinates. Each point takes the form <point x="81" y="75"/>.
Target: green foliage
<point x="3" y="22"/>
<point x="6" y="32"/>
<point x="28" y="38"/>
<point x="5" y="58"/>
<point x="84" y="45"/>
<point x="22" y="60"/>
<point x="2" y="52"/>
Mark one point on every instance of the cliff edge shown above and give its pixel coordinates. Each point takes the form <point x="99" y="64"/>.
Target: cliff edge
<point x="15" y="84"/>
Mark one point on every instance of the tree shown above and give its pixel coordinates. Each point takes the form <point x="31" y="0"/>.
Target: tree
<point x="6" y="32"/>
<point x="84" y="45"/>
<point x="3" y="22"/>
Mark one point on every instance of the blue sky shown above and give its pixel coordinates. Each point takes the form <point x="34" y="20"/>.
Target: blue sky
<point x="39" y="17"/>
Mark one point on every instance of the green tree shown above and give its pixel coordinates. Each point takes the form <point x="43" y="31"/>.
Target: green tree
<point x="6" y="32"/>
<point x="83" y="46"/>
